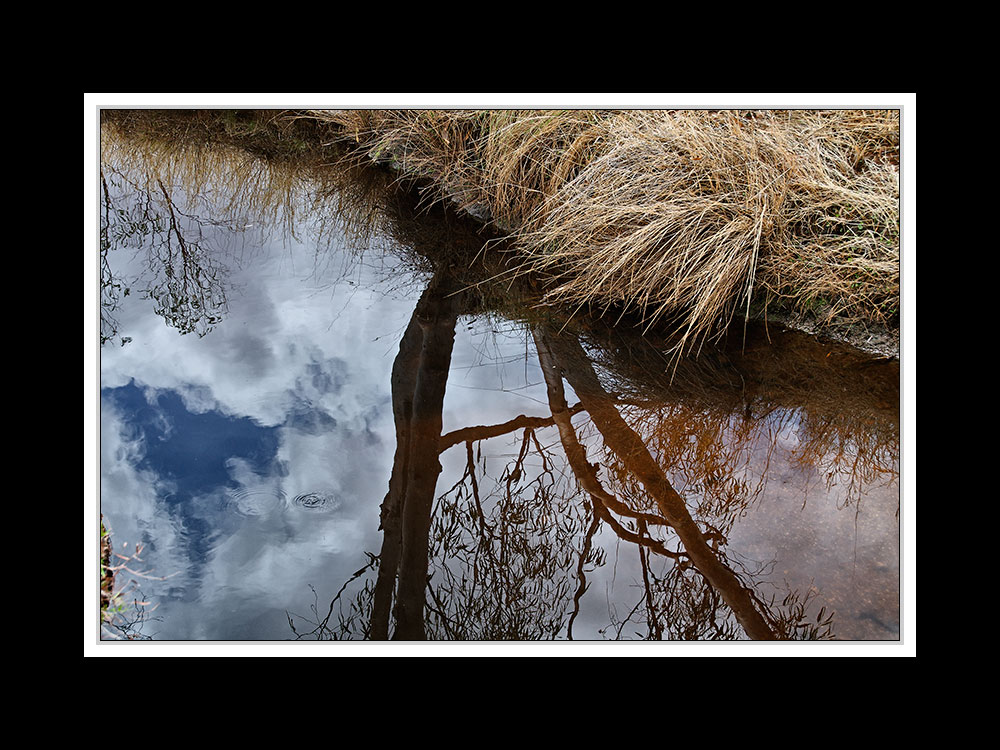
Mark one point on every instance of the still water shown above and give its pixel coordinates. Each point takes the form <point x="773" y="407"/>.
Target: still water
<point x="311" y="433"/>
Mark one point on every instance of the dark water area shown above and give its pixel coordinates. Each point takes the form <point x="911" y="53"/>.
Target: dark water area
<point x="316" y="432"/>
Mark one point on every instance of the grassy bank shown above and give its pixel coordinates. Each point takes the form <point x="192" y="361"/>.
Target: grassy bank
<point x="690" y="218"/>
<point x="686" y="219"/>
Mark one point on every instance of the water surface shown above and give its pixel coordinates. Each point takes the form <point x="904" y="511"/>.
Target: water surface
<point x="320" y="433"/>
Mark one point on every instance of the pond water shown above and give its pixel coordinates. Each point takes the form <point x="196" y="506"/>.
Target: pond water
<point x="310" y="432"/>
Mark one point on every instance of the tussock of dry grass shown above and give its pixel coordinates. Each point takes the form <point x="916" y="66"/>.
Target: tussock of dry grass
<point x="671" y="217"/>
<point x="690" y="216"/>
<point x="528" y="155"/>
<point x="506" y="162"/>
<point x="433" y="145"/>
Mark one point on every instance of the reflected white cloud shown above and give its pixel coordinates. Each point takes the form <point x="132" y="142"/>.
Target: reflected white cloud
<point x="278" y="360"/>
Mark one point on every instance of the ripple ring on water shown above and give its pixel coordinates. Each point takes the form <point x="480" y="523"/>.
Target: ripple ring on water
<point x="260" y="502"/>
<point x="314" y="501"/>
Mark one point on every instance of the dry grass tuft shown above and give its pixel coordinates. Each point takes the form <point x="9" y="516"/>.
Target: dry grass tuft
<point x="526" y="156"/>
<point x="671" y="217"/>
<point x="433" y="145"/>
<point x="704" y="213"/>
<point x="504" y="164"/>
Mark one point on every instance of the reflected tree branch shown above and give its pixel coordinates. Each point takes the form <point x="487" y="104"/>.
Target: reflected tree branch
<point x="555" y="354"/>
<point x="652" y="620"/>
<point x="484" y="432"/>
<point x="580" y="572"/>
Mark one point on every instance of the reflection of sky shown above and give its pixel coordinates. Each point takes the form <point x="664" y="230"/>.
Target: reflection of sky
<point x="207" y="442"/>
<point x="191" y="456"/>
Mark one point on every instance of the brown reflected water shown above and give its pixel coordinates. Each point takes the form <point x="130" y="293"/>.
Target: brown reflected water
<point x="748" y="492"/>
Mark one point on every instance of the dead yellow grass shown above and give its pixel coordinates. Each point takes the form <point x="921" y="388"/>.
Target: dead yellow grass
<point x="691" y="216"/>
<point x="705" y="213"/>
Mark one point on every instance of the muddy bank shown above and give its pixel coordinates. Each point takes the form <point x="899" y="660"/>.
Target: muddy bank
<point x="880" y="341"/>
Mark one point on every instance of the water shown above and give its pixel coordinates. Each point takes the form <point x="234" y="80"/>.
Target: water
<point x="270" y="402"/>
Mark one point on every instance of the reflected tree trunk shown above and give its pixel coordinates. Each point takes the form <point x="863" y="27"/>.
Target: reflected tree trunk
<point x="562" y="356"/>
<point x="419" y="377"/>
<point x="403" y="384"/>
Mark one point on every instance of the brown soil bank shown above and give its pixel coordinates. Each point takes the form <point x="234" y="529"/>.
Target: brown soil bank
<point x="691" y="218"/>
